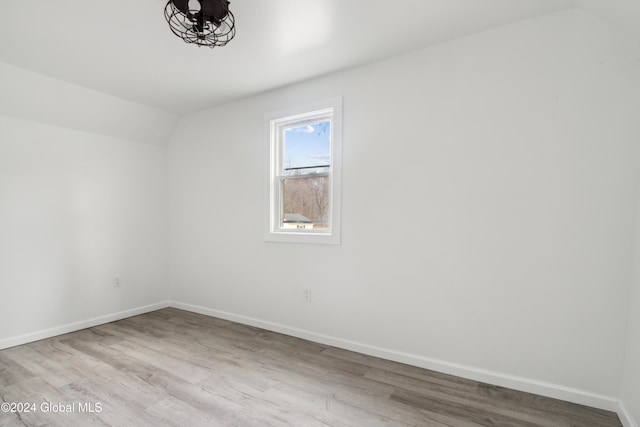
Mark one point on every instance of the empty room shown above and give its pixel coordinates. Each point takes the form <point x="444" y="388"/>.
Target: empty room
<point x="320" y="213"/>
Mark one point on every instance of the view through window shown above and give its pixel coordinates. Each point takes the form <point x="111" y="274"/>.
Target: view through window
<point x="306" y="177"/>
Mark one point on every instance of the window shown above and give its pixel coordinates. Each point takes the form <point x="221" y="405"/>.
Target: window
<point x="304" y="173"/>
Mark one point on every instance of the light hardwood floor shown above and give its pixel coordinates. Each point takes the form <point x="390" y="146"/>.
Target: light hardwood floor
<point x="172" y="367"/>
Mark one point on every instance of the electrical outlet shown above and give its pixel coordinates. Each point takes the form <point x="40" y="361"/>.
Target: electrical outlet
<point x="306" y="295"/>
<point x="116" y="282"/>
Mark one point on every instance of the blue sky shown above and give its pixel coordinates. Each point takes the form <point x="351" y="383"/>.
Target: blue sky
<point x="307" y="145"/>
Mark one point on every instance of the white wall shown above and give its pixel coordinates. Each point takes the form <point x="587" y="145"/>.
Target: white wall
<point x="512" y="155"/>
<point x="77" y="209"/>
<point x="631" y="377"/>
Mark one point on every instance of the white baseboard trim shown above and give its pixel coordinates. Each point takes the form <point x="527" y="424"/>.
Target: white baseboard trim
<point x="625" y="416"/>
<point x="76" y="326"/>
<point x="496" y="378"/>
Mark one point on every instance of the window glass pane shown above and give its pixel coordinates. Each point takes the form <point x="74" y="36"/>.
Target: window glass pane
<point x="307" y="148"/>
<point x="303" y="186"/>
<point x="305" y="202"/>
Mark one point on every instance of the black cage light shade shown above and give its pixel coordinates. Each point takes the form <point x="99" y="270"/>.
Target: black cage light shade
<point x="201" y="22"/>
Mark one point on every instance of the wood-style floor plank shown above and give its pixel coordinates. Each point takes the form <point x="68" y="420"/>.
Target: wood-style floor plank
<point x="175" y="368"/>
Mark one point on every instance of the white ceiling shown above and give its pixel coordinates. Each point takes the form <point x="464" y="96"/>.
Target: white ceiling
<point x="125" y="48"/>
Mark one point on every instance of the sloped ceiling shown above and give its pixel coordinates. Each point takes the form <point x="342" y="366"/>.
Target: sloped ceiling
<point x="624" y="14"/>
<point x="124" y="48"/>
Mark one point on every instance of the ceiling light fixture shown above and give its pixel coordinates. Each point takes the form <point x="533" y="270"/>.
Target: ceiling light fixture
<point x="202" y="22"/>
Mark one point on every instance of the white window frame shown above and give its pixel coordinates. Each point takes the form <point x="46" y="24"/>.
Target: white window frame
<point x="274" y="125"/>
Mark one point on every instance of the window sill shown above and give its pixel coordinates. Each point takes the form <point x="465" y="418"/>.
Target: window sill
<point x="297" y="237"/>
